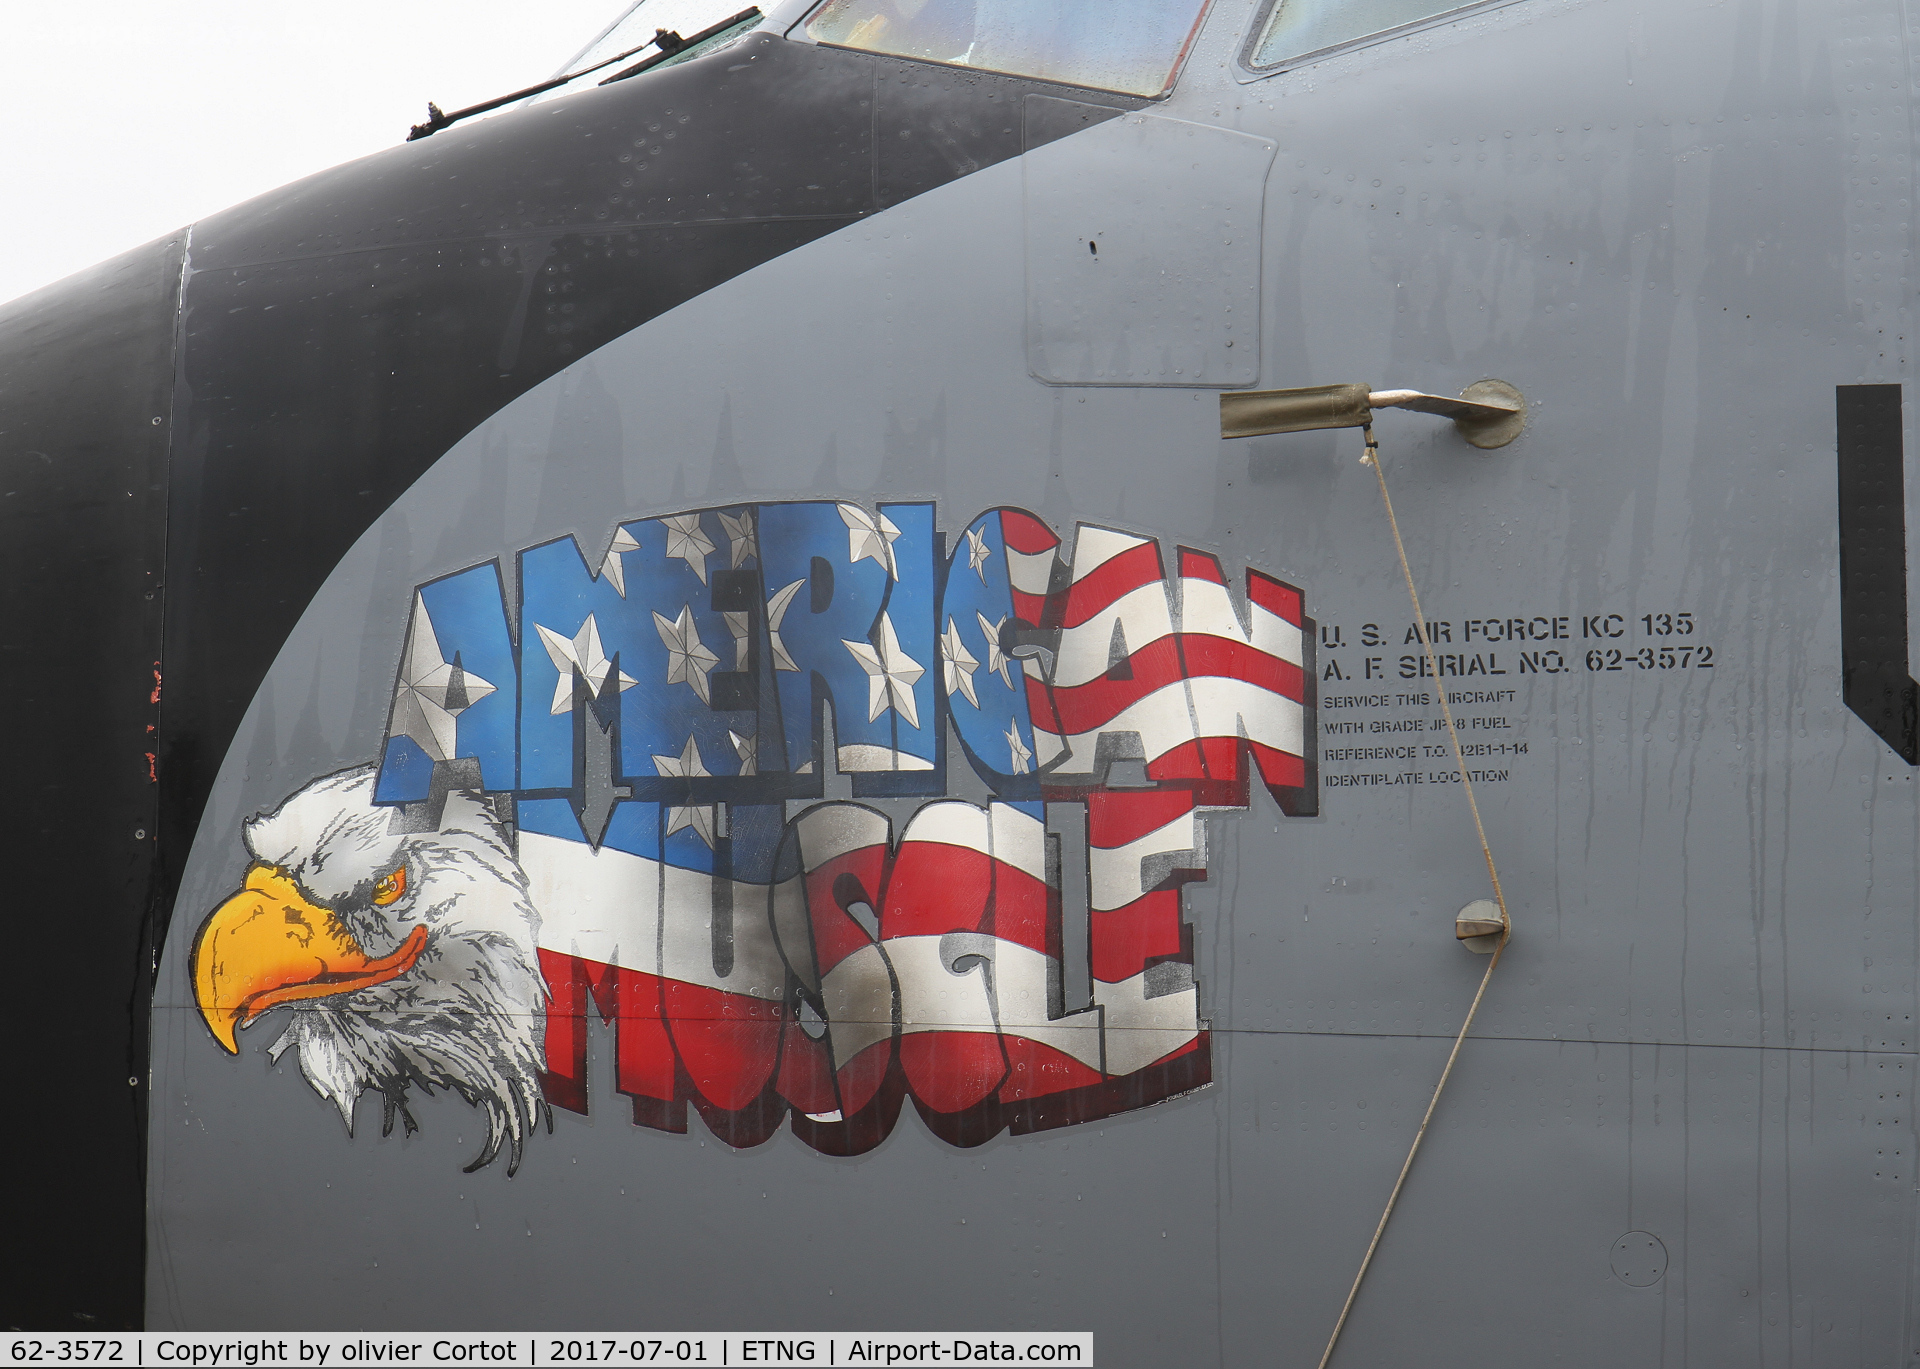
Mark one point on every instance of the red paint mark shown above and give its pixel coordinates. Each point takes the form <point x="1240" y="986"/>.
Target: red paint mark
<point x="149" y="727"/>
<point x="151" y="777"/>
<point x="156" y="684"/>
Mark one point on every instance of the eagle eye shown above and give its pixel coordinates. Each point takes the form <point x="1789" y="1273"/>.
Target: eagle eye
<point x="391" y="886"/>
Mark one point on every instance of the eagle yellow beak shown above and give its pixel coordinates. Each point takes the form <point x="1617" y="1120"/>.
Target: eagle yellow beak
<point x="269" y="945"/>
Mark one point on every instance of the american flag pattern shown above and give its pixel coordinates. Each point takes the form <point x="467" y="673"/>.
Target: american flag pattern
<point x="1170" y="661"/>
<point x="667" y="713"/>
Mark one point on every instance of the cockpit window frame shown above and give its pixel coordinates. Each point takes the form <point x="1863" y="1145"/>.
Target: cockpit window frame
<point x="797" y="32"/>
<point x="1254" y="71"/>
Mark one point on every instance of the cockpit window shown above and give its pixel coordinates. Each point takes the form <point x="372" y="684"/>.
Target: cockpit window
<point x="1303" y="28"/>
<point x="1131" y="46"/>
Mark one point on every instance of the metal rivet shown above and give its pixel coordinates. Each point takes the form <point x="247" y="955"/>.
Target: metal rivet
<point x="139" y="834"/>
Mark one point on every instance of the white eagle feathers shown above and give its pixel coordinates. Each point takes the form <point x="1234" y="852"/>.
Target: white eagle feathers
<point x="469" y="1014"/>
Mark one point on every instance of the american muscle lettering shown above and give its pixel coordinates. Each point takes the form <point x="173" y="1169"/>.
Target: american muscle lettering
<point x="613" y="797"/>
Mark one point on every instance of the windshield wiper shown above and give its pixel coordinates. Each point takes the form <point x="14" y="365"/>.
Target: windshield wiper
<point x="711" y="31"/>
<point x="666" y="41"/>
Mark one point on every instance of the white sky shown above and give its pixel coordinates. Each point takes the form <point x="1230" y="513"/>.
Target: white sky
<point x="124" y="121"/>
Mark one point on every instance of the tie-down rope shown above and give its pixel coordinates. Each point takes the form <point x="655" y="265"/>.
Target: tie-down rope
<point x="1372" y="458"/>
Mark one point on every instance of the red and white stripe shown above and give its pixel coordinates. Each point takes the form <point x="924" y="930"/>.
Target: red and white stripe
<point x="959" y="987"/>
<point x="1134" y="928"/>
<point x="1245" y="684"/>
<point x="1195" y="691"/>
<point x="972" y="932"/>
<point x="843" y="858"/>
<point x="1032" y="551"/>
<point x="641" y="932"/>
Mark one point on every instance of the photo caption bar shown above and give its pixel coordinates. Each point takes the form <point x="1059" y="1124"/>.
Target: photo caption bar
<point x="720" y="1349"/>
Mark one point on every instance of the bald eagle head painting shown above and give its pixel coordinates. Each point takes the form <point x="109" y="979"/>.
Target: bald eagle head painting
<point x="406" y="957"/>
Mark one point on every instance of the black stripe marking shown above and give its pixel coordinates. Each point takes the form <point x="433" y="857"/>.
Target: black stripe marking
<point x="1873" y="566"/>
